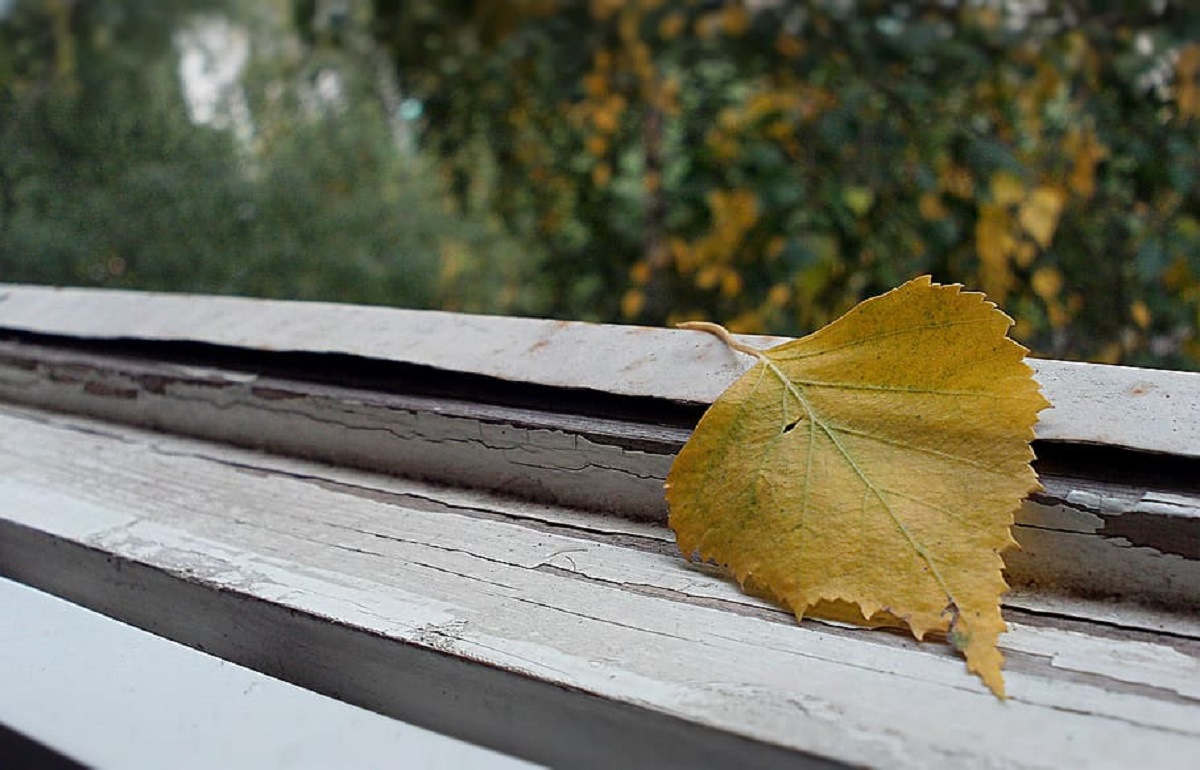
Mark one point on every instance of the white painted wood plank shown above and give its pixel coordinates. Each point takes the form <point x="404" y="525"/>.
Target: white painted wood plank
<point x="1150" y="410"/>
<point x="564" y="605"/>
<point x="111" y="696"/>
<point x="1129" y="541"/>
<point x="1149" y="663"/>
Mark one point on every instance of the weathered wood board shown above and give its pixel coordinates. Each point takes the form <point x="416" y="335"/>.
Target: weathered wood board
<point x="517" y="587"/>
<point x="1129" y="539"/>
<point x="1155" y="411"/>
<point x="404" y="596"/>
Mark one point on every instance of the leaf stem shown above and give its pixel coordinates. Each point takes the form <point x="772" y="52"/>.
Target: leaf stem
<point x="721" y="333"/>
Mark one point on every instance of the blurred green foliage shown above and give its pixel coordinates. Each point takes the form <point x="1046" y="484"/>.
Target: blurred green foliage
<point x="769" y="164"/>
<point x="761" y="164"/>
<point x="106" y="180"/>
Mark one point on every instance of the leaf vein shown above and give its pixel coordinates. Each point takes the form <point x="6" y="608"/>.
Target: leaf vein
<point x="991" y="394"/>
<point x="918" y="448"/>
<point x="862" y="476"/>
<point x="880" y="336"/>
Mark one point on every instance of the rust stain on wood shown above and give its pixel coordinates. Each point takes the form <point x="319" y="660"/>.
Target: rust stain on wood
<point x="109" y="391"/>
<point x="153" y="383"/>
<point x="274" y="394"/>
<point x="19" y="362"/>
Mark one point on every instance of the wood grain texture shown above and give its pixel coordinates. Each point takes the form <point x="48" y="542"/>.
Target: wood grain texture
<point x="596" y="609"/>
<point x="1132" y="539"/>
<point x="1156" y="411"/>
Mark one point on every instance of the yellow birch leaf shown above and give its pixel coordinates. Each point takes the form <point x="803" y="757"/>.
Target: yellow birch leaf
<point x="1007" y="189"/>
<point x="1086" y="151"/>
<point x="671" y="25"/>
<point x="1046" y="282"/>
<point x="632" y="303"/>
<point x="995" y="245"/>
<point x="731" y="283"/>
<point x="877" y="462"/>
<point x="1186" y="91"/>
<point x="1024" y="254"/>
<point x="1140" y="314"/>
<point x="735" y="20"/>
<point x="931" y="207"/>
<point x="858" y="199"/>
<point x="1039" y="213"/>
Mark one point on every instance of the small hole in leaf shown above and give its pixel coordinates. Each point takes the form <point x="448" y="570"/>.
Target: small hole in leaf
<point x="792" y="425"/>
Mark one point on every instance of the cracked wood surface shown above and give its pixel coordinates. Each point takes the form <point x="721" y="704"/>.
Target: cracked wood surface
<point x="1149" y="410"/>
<point x="429" y="579"/>
<point x="1128" y="533"/>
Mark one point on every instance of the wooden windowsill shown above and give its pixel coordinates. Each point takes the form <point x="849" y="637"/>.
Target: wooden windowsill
<point x="459" y="521"/>
<point x="1150" y="410"/>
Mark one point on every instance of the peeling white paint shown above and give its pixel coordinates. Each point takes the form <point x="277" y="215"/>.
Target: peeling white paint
<point x="457" y="572"/>
<point x="1151" y="410"/>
